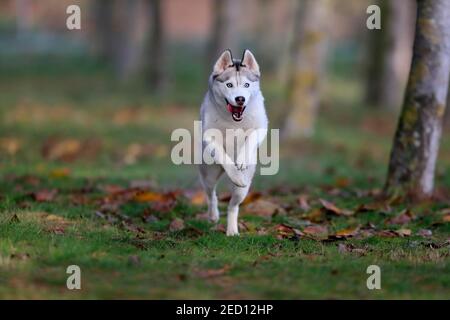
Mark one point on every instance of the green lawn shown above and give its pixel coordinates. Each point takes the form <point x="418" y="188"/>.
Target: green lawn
<point x="86" y="179"/>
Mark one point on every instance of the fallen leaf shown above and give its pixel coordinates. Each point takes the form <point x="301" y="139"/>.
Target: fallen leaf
<point x="177" y="224"/>
<point x="316" y="231"/>
<point x="315" y="215"/>
<point x="403" y="232"/>
<point x="303" y="202"/>
<point x="61" y="149"/>
<point x="210" y="273"/>
<point x="375" y="206"/>
<point x="330" y="207"/>
<point x="219" y="228"/>
<point x="284" y="231"/>
<point x="202" y="216"/>
<point x="251" y="197"/>
<point x="345" y="233"/>
<point x="198" y="198"/>
<point x="264" y="208"/>
<point x="150" y="196"/>
<point x="10" y="145"/>
<point x="60" y="173"/>
<point x="342" y="182"/>
<point x="402" y="218"/>
<point x="44" y="195"/>
<point x="446" y="218"/>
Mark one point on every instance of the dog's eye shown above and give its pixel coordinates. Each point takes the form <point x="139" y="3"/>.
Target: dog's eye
<point x="229" y="85"/>
<point x="247" y="85"/>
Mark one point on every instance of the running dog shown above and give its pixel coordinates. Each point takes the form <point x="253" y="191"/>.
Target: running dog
<point x="234" y="124"/>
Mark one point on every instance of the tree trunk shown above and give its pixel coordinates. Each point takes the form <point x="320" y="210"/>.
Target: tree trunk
<point x="416" y="142"/>
<point x="127" y="48"/>
<point x="390" y="53"/>
<point x="224" y="33"/>
<point x="104" y="29"/>
<point x="308" y="53"/>
<point x="447" y="110"/>
<point x="155" y="57"/>
<point x="24" y="14"/>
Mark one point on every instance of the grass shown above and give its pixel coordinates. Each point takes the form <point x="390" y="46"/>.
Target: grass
<point x="124" y="136"/>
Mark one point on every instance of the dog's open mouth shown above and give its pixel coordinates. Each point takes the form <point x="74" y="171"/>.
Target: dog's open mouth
<point x="236" y="111"/>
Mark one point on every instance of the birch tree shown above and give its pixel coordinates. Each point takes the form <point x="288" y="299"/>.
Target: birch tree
<point x="390" y="53"/>
<point x="308" y="53"/>
<point x="416" y="142"/>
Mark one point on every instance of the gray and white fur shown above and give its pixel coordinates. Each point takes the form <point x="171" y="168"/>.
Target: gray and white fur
<point x="233" y="101"/>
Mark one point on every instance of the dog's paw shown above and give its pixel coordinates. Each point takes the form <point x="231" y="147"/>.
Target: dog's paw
<point x="232" y="232"/>
<point x="214" y="218"/>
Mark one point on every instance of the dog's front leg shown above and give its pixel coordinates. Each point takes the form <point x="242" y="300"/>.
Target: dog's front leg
<point x="217" y="152"/>
<point x="238" y="195"/>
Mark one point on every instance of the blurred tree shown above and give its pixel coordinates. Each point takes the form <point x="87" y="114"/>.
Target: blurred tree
<point x="104" y="29"/>
<point x="447" y="110"/>
<point x="389" y="53"/>
<point x="306" y="66"/>
<point x="416" y="142"/>
<point x="24" y="12"/>
<point x="155" y="53"/>
<point x="127" y="47"/>
<point x="263" y="27"/>
<point x="224" y="33"/>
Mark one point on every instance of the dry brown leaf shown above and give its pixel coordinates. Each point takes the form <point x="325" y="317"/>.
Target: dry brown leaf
<point x="284" y="231"/>
<point x="263" y="208"/>
<point x="330" y="207"/>
<point x="251" y="197"/>
<point x="44" y="195"/>
<point x="65" y="150"/>
<point x="403" y="232"/>
<point x="446" y="218"/>
<point x="316" y="231"/>
<point x="10" y="145"/>
<point x="342" y="182"/>
<point x="375" y="206"/>
<point x="198" y="198"/>
<point x="315" y="215"/>
<point x="303" y="202"/>
<point x="345" y="233"/>
<point x="177" y="224"/>
<point x="150" y="196"/>
<point x="402" y="218"/>
<point x="210" y="273"/>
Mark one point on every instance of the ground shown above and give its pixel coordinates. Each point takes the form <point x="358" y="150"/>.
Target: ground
<point x="86" y="179"/>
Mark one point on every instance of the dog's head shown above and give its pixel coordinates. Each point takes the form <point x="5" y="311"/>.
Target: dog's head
<point x="234" y="82"/>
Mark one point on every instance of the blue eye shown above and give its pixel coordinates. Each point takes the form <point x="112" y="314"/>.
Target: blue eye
<point x="229" y="85"/>
<point x="247" y="85"/>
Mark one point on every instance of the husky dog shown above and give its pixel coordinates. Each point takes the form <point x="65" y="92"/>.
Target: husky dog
<point x="234" y="102"/>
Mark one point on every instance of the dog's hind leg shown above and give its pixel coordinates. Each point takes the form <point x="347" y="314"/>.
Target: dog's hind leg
<point x="209" y="176"/>
<point x="238" y="195"/>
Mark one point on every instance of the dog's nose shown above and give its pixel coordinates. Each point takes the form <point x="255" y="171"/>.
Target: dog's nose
<point x="240" y="100"/>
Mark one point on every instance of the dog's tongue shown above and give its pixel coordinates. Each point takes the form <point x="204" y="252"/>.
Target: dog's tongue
<point x="236" y="111"/>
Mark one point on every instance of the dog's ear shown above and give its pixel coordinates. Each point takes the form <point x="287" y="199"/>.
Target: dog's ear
<point x="225" y="61"/>
<point x="249" y="61"/>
